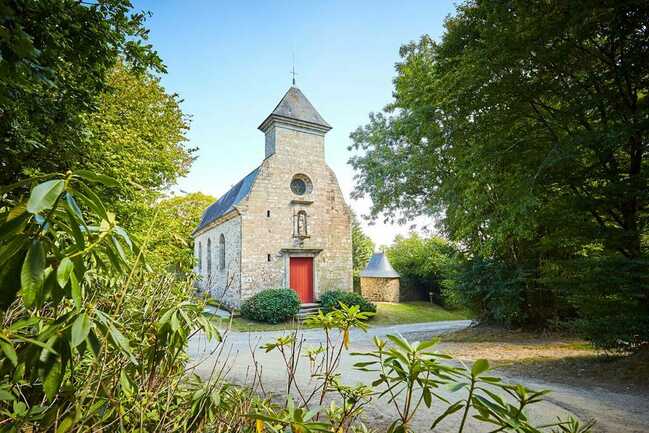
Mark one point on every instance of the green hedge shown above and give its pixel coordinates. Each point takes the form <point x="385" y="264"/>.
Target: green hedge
<point x="331" y="299"/>
<point x="271" y="306"/>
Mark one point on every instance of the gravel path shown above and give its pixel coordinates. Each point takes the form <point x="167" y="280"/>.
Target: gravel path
<point x="615" y="412"/>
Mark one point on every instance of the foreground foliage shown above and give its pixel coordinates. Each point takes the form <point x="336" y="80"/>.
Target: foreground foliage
<point x="87" y="338"/>
<point x="91" y="341"/>
<point x="525" y="131"/>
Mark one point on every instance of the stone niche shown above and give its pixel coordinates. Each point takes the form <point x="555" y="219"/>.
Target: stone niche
<point x="379" y="281"/>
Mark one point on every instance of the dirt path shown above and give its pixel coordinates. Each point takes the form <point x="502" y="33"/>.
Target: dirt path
<point x="616" y="408"/>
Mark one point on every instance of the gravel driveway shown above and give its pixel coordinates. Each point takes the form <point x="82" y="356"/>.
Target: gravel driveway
<point x="615" y="412"/>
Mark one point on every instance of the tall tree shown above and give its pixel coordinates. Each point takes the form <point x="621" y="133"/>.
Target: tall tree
<point x="137" y="136"/>
<point x="527" y="128"/>
<point x="56" y="57"/>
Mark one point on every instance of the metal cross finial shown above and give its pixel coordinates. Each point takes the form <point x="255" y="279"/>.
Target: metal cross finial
<point x="293" y="70"/>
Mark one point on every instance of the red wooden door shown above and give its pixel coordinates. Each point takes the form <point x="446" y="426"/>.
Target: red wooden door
<point x="302" y="277"/>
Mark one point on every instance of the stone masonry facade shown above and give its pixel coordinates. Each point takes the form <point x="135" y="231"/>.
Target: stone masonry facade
<point x="260" y="230"/>
<point x="223" y="283"/>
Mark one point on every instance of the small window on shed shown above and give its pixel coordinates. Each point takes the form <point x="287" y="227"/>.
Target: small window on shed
<point x="222" y="252"/>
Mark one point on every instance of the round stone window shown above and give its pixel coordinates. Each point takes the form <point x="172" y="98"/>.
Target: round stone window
<point x="300" y="184"/>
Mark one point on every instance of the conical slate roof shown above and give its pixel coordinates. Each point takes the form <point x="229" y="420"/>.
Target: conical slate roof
<point x="379" y="267"/>
<point x="294" y="106"/>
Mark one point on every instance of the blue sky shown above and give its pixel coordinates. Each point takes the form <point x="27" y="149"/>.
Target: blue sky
<point x="230" y="63"/>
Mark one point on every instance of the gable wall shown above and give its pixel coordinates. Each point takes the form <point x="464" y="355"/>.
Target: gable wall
<point x="329" y="218"/>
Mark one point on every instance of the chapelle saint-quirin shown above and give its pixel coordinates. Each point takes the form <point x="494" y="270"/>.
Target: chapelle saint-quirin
<point x="285" y="224"/>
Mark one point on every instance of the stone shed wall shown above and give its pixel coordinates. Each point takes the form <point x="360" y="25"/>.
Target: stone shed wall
<point x="380" y="289"/>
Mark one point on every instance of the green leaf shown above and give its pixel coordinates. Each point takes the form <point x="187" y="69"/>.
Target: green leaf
<point x="427" y="397"/>
<point x="75" y="291"/>
<point x="80" y="329"/>
<point x="121" y="342"/>
<point x="32" y="273"/>
<point x="96" y="177"/>
<point x="480" y="366"/>
<point x="10" y="276"/>
<point x="6" y="395"/>
<point x="9" y="351"/>
<point x="450" y="410"/>
<point x="52" y="379"/>
<point x="65" y="425"/>
<point x="44" y="195"/>
<point x="63" y="271"/>
<point x="125" y="383"/>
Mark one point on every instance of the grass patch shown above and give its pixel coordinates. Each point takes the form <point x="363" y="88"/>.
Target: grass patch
<point x="414" y="312"/>
<point x="386" y="314"/>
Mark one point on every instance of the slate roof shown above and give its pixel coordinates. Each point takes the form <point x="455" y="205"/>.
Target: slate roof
<point x="379" y="267"/>
<point x="230" y="199"/>
<point x="294" y="105"/>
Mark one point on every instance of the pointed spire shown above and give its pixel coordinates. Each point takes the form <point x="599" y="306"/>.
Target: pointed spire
<point x="295" y="109"/>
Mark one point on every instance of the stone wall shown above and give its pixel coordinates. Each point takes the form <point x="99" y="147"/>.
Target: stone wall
<point x="380" y="289"/>
<point x="223" y="283"/>
<point x="268" y="241"/>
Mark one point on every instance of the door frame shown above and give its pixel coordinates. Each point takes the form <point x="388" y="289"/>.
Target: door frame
<point x="313" y="291"/>
<point x="296" y="252"/>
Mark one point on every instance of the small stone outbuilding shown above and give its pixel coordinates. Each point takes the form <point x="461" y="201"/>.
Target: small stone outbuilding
<point x="379" y="280"/>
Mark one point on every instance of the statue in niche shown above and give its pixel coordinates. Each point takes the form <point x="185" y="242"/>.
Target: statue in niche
<point x="301" y="224"/>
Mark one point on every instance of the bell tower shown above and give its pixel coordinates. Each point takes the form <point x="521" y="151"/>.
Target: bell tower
<point x="295" y="125"/>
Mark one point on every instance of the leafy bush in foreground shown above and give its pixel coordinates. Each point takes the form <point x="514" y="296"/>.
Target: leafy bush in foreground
<point x="271" y="306"/>
<point x="332" y="299"/>
<point x="89" y="339"/>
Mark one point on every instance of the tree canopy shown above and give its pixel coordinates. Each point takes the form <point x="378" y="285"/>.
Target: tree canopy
<point x="526" y="130"/>
<point x="56" y="57"/>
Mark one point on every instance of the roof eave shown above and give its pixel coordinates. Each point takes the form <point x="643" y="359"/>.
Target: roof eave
<point x="226" y="216"/>
<point x="276" y="118"/>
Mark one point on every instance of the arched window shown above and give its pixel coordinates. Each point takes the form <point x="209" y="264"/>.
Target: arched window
<point x="200" y="258"/>
<point x="209" y="257"/>
<point x="222" y="252"/>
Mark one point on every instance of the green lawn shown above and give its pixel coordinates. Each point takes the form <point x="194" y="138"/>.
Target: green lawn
<point x="414" y="312"/>
<point x="386" y="314"/>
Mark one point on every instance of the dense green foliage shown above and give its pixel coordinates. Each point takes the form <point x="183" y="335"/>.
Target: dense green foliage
<point x="271" y="306"/>
<point x="362" y="249"/>
<point x="56" y="58"/>
<point x="171" y="249"/>
<point x="89" y="339"/>
<point x="137" y="126"/>
<point x="79" y="91"/>
<point x="332" y="300"/>
<point x="424" y="264"/>
<point x="525" y="131"/>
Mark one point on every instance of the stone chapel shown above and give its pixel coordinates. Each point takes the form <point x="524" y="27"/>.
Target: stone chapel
<point x="285" y="224"/>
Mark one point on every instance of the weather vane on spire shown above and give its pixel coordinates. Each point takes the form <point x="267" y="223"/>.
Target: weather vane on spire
<point x="293" y="70"/>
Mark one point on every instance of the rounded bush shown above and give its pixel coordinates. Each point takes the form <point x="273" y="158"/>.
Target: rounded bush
<point x="271" y="306"/>
<point x="331" y="300"/>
